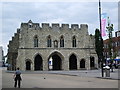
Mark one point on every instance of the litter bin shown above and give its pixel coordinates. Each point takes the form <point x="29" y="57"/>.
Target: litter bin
<point x="107" y="71"/>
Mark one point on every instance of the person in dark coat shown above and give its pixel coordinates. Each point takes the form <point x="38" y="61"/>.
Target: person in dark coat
<point x="17" y="78"/>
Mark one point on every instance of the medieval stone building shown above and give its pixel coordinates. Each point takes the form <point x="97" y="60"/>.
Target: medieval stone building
<point x="52" y="47"/>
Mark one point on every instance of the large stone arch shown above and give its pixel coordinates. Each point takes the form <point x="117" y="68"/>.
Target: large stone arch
<point x="38" y="62"/>
<point x="73" y="61"/>
<point x="56" y="62"/>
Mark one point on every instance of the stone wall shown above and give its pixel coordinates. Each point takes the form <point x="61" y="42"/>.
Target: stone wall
<point x="13" y="51"/>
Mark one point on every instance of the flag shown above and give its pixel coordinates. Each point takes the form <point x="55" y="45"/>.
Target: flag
<point x="103" y="24"/>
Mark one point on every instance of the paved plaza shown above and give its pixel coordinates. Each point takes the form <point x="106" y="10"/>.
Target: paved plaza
<point x="62" y="79"/>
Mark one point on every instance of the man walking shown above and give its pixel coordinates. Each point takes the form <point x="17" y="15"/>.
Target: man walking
<point x="17" y="78"/>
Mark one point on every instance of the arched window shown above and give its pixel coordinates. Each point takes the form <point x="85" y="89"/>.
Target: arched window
<point x="74" y="41"/>
<point x="82" y="63"/>
<point x="49" y="42"/>
<point x="28" y="65"/>
<point x="92" y="62"/>
<point x="35" y="41"/>
<point x="55" y="43"/>
<point x="61" y="41"/>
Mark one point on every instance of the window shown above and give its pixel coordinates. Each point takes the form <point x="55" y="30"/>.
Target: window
<point x="30" y="25"/>
<point x="61" y="41"/>
<point x="49" y="42"/>
<point x="74" y="41"/>
<point x="35" y="41"/>
<point x="56" y="43"/>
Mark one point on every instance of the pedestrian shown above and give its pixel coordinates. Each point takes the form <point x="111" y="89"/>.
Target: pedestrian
<point x="17" y="78"/>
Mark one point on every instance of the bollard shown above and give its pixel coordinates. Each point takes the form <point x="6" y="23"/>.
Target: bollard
<point x="107" y="71"/>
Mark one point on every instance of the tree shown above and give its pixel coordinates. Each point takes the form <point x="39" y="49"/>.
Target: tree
<point x="99" y="45"/>
<point x="109" y="30"/>
<point x="99" y="49"/>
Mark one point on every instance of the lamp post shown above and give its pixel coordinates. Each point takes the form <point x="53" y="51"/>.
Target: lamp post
<point x="101" y="56"/>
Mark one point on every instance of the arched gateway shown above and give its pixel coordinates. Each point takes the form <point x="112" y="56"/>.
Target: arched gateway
<point x="55" y="61"/>
<point x="38" y="63"/>
<point x="73" y="62"/>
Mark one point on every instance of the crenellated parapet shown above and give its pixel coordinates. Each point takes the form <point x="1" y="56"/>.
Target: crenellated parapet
<point x="45" y="25"/>
<point x="30" y="25"/>
<point x="53" y="26"/>
<point x="65" y="26"/>
<point x="74" y="26"/>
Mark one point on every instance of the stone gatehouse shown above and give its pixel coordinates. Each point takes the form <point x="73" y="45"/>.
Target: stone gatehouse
<point x="52" y="47"/>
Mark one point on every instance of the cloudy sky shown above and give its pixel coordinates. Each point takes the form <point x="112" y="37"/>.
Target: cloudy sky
<point x="13" y="13"/>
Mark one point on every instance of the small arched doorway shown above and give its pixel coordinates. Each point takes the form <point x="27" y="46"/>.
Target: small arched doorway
<point x="38" y="63"/>
<point x="28" y="65"/>
<point x="82" y="63"/>
<point x="73" y="62"/>
<point x="92" y="62"/>
<point x="55" y="61"/>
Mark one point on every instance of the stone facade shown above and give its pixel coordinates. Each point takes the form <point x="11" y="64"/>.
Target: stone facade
<point x="33" y="49"/>
<point x="13" y="51"/>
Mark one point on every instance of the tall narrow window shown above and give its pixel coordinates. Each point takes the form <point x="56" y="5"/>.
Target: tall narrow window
<point x="49" y="42"/>
<point x="74" y="41"/>
<point x="61" y="41"/>
<point x="35" y="41"/>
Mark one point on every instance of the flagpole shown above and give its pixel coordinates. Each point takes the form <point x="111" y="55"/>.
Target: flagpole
<point x="100" y="15"/>
<point x="101" y="37"/>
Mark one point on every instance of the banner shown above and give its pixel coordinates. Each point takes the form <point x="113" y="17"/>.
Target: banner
<point x="103" y="24"/>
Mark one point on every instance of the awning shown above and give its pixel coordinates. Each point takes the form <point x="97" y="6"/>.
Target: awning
<point x="114" y="59"/>
<point x="117" y="59"/>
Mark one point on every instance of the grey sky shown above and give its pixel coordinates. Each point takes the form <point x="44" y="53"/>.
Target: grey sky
<point x="14" y="13"/>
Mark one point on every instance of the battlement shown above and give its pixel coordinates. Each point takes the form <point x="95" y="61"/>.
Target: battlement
<point x="66" y="26"/>
<point x="45" y="25"/>
<point x="53" y="26"/>
<point x="74" y="26"/>
<point x="84" y="26"/>
<point x="30" y="25"/>
<point x="18" y="30"/>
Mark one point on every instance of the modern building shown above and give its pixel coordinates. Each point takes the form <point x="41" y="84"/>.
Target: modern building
<point x="52" y="47"/>
<point x="117" y="34"/>
<point x="115" y="46"/>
